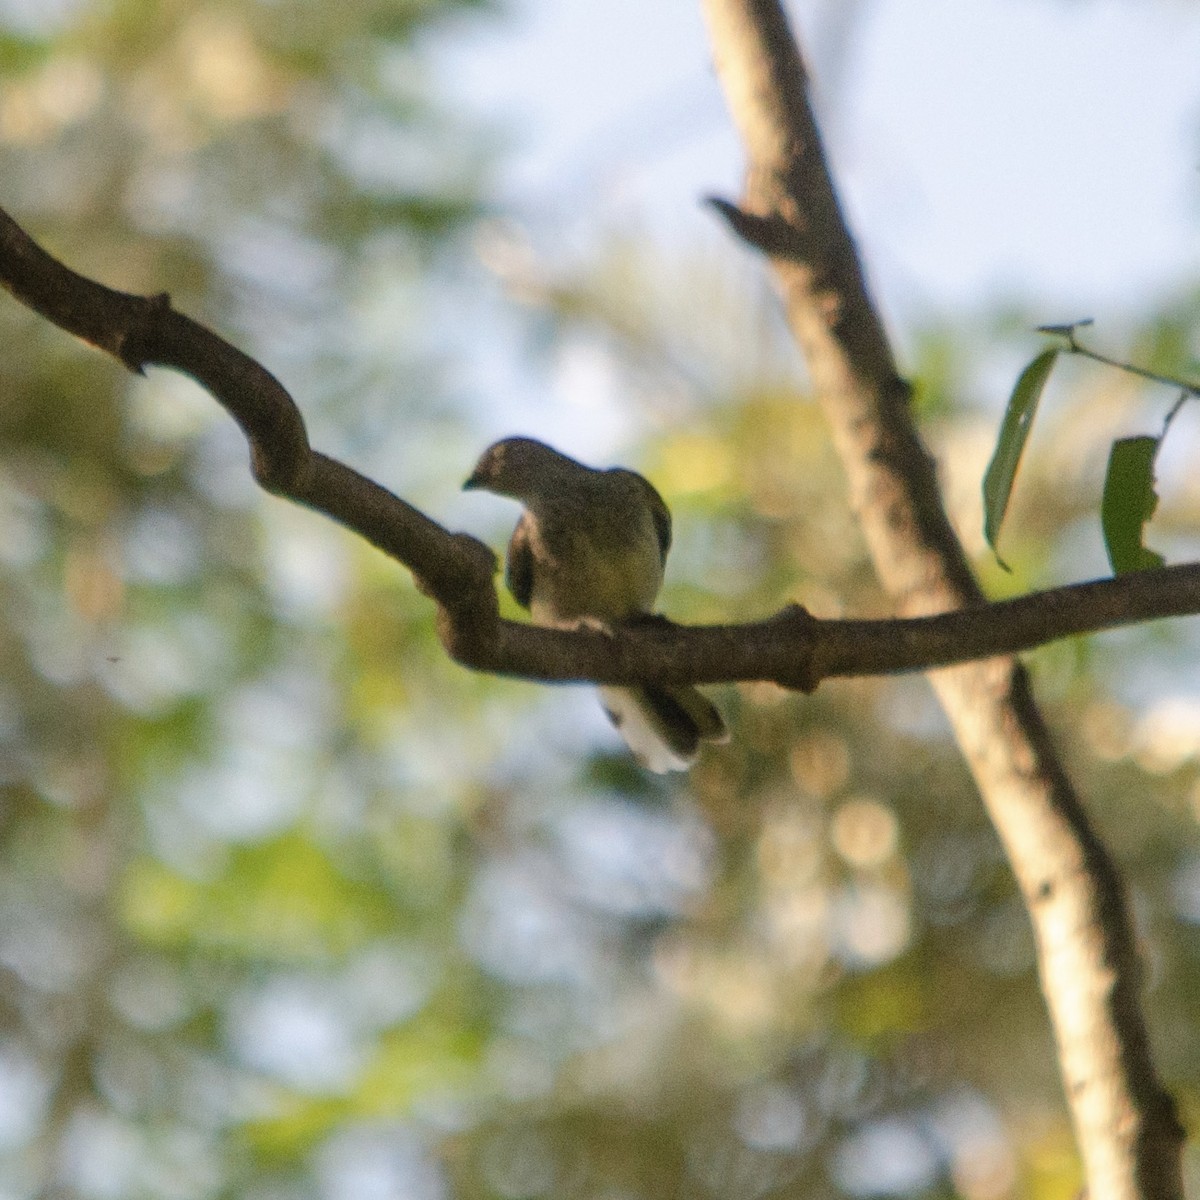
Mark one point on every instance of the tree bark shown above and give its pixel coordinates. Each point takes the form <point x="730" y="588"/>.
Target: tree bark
<point x="1129" y="1136"/>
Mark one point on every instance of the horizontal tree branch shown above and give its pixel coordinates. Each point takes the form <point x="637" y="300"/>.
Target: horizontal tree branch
<point x="457" y="571"/>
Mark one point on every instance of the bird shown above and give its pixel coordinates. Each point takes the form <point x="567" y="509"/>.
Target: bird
<point x="589" y="549"/>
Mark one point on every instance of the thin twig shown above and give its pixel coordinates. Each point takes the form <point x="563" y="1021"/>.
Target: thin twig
<point x="1075" y="346"/>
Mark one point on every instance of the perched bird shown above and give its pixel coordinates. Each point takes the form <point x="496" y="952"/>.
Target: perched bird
<point x="590" y="546"/>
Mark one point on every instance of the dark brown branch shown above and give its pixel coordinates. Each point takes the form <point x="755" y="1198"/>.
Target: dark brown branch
<point x="1004" y="627"/>
<point x="1128" y="1130"/>
<point x="457" y="571"/>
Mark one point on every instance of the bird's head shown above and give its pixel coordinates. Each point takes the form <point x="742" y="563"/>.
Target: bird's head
<point x="517" y="467"/>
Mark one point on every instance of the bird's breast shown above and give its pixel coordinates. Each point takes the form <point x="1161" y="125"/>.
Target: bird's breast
<point x="605" y="570"/>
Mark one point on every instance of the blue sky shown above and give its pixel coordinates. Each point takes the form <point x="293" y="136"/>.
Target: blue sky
<point x="993" y="147"/>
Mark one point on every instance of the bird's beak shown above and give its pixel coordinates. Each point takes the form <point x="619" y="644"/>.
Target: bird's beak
<point x="476" y="481"/>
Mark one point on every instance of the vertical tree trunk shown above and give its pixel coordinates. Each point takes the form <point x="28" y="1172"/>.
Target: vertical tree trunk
<point x="1129" y="1136"/>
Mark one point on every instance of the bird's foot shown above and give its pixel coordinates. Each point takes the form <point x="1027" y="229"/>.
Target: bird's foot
<point x="595" y="625"/>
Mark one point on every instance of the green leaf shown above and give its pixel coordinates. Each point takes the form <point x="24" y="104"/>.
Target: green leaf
<point x="1002" y="470"/>
<point x="1129" y="502"/>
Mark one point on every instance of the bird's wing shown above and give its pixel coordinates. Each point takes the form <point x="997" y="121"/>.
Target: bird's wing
<point x="660" y="514"/>
<point x="518" y="569"/>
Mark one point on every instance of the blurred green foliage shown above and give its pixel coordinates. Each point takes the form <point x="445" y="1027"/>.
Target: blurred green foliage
<point x="291" y="906"/>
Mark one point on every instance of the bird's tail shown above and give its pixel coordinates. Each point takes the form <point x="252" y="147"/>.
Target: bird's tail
<point x="664" y="726"/>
